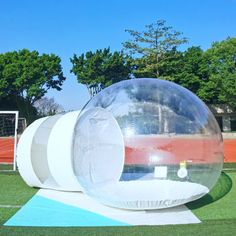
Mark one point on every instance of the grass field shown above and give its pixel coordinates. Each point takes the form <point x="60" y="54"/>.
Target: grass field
<point x="5" y="167"/>
<point x="217" y="211"/>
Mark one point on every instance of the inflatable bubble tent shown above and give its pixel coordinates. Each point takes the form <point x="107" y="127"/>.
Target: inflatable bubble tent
<point x="146" y="144"/>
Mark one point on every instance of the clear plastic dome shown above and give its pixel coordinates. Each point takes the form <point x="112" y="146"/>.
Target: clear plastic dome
<point x="147" y="144"/>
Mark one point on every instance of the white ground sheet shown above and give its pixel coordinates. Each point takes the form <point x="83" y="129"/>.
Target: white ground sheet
<point x="176" y="215"/>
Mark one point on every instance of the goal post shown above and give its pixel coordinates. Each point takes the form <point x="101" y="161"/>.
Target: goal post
<point x="8" y="131"/>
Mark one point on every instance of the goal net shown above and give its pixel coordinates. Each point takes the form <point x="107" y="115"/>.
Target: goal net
<point x="8" y="137"/>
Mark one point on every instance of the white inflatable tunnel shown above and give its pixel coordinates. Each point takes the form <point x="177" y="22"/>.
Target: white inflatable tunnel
<point x="59" y="152"/>
<point x="44" y="153"/>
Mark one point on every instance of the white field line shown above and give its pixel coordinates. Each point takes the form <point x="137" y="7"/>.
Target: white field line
<point x="10" y="206"/>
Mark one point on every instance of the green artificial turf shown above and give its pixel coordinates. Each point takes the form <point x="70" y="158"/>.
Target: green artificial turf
<point x="13" y="192"/>
<point x="229" y="166"/>
<point x="6" y="213"/>
<point x="217" y="210"/>
<point x="220" y="203"/>
<point x="6" y="167"/>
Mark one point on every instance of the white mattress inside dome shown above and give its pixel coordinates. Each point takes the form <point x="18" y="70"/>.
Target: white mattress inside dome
<point x="148" y="194"/>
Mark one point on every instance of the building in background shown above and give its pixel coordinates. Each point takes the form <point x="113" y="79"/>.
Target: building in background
<point x="225" y="116"/>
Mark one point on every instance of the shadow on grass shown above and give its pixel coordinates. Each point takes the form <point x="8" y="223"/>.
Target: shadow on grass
<point x="222" y="187"/>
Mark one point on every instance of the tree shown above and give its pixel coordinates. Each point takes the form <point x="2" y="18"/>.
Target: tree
<point x="189" y="69"/>
<point x="25" y="109"/>
<point x="220" y="85"/>
<point x="100" y="69"/>
<point x="26" y="76"/>
<point x="29" y="75"/>
<point x="47" y="107"/>
<point x="210" y="74"/>
<point x="172" y="66"/>
<point x="150" y="47"/>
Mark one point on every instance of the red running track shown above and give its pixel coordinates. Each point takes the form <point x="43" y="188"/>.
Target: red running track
<point x="230" y="150"/>
<point x="156" y="149"/>
<point x="6" y="150"/>
<point x="197" y="150"/>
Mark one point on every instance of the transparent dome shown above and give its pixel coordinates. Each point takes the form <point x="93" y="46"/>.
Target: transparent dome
<point x="147" y="144"/>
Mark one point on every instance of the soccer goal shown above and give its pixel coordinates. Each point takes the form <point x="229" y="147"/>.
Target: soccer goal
<point x="8" y="137"/>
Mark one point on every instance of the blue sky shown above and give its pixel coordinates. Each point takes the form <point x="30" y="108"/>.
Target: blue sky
<point x="65" y="27"/>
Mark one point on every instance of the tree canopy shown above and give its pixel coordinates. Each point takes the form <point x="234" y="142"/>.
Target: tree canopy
<point x="151" y="48"/>
<point x="220" y="84"/>
<point x="188" y="69"/>
<point x="154" y="53"/>
<point x="29" y="75"/>
<point x="25" y="77"/>
<point x="211" y="74"/>
<point x="100" y="69"/>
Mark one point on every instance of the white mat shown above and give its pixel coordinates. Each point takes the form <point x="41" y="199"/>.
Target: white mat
<point x="175" y="215"/>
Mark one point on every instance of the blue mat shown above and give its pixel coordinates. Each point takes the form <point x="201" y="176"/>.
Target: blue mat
<point x="41" y="211"/>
